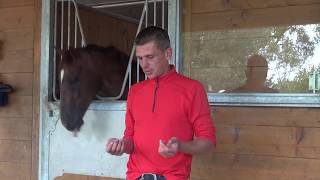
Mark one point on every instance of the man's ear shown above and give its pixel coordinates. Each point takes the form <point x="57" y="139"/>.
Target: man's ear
<point x="168" y="54"/>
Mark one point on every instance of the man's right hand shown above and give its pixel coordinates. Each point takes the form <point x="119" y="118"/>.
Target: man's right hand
<point x="115" y="146"/>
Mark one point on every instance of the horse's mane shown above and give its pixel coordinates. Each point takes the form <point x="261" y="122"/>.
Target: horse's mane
<point x="72" y="53"/>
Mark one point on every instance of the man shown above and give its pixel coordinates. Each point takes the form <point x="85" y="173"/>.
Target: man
<point x="168" y="117"/>
<point x="256" y="73"/>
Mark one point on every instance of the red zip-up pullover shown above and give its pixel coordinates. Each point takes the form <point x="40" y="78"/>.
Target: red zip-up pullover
<point x="161" y="108"/>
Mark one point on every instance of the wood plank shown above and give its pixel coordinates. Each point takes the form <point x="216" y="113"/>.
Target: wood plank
<point x="16" y="61"/>
<point x="14" y="3"/>
<point x="268" y="135"/>
<point x="269" y="140"/>
<point x="21" y="83"/>
<point x="17" y="39"/>
<point x="15" y="151"/>
<point x="295" y="117"/>
<point x="291" y="15"/>
<point x="203" y="6"/>
<point x="36" y="89"/>
<point x="15" y="128"/>
<point x="257" y="135"/>
<point x="14" y="171"/>
<point x="241" y="167"/>
<point x="19" y="106"/>
<point x="17" y="17"/>
<point x="294" y="151"/>
<point x="82" y="177"/>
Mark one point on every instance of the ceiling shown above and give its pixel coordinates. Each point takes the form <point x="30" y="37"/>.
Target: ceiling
<point x="128" y="9"/>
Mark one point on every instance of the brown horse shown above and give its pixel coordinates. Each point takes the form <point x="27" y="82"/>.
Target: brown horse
<point x="86" y="72"/>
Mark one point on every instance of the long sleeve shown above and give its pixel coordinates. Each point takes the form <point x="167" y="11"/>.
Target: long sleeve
<point x="200" y="116"/>
<point x="129" y="120"/>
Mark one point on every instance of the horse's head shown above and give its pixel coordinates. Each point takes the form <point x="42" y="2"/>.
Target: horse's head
<point x="79" y="84"/>
<point x="87" y="71"/>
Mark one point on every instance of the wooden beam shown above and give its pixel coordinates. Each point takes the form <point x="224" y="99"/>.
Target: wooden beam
<point x="243" y="167"/>
<point x="15" y="3"/>
<point x="36" y="89"/>
<point x="82" y="177"/>
<point x="18" y="107"/>
<point x="271" y="116"/>
<point x="255" y="18"/>
<point x="205" y="6"/>
<point x="15" y="171"/>
<point x="21" y="82"/>
<point x="15" y="128"/>
<point x="15" y="151"/>
<point x="16" y="39"/>
<point x="17" y="61"/>
<point x="17" y="17"/>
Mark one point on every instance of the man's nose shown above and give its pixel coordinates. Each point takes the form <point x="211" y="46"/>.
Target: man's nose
<point x="143" y="63"/>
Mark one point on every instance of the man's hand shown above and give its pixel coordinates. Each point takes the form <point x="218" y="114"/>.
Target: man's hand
<point x="115" y="146"/>
<point x="169" y="149"/>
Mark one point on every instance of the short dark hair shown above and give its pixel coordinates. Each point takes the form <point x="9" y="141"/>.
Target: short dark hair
<point x="156" y="34"/>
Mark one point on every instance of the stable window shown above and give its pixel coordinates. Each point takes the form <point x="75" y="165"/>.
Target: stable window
<point x="254" y="54"/>
<point x="104" y="23"/>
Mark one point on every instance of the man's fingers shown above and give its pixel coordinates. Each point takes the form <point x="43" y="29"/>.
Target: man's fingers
<point x="114" y="145"/>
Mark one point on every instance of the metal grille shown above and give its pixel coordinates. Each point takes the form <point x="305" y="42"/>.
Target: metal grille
<point x="67" y="23"/>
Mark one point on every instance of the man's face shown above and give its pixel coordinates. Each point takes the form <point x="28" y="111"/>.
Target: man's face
<point x="153" y="61"/>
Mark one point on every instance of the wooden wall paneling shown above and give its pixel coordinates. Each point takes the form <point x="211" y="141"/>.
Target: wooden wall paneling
<point x="21" y="82"/>
<point x="82" y="177"/>
<point x="268" y="140"/>
<point x="15" y="151"/>
<point x="16" y="17"/>
<point x="15" y="128"/>
<point x="205" y="6"/>
<point x="17" y="39"/>
<point x="17" y="61"/>
<point x="295" y="117"/>
<point x="243" y="167"/>
<point x="18" y="107"/>
<point x="15" y="3"/>
<point x="15" y="171"/>
<point x="36" y="88"/>
<point x="186" y="23"/>
<point x="254" y="18"/>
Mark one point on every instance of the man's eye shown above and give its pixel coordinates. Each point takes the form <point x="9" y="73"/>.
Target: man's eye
<point x="149" y="57"/>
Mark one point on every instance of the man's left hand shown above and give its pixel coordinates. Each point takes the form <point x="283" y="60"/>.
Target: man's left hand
<point x="169" y="149"/>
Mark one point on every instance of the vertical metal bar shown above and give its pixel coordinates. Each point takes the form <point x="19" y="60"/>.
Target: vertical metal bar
<point x="62" y="22"/>
<point x="44" y="138"/>
<point x="83" y="40"/>
<point x="130" y="60"/>
<point x="68" y="44"/>
<point x="154" y="13"/>
<point x="75" y="27"/>
<point x="55" y="29"/>
<point x="162" y="14"/>
<point x="54" y="52"/>
<point x="146" y="24"/>
<point x="314" y="81"/>
<point x="174" y="20"/>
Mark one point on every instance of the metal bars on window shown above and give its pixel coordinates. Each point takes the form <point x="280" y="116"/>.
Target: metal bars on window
<point x="144" y="16"/>
<point x="65" y="34"/>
